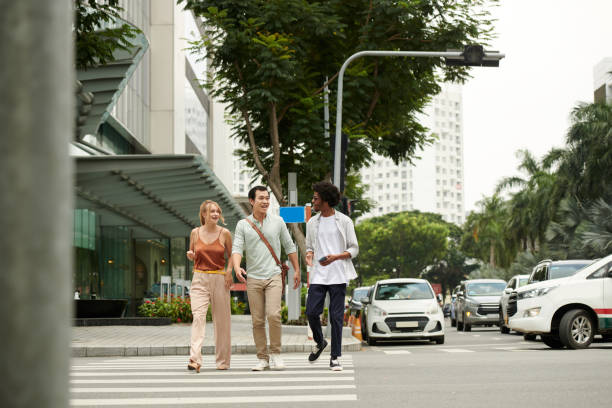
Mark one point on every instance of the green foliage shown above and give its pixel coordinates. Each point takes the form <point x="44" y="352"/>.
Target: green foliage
<point x="97" y="34"/>
<point x="400" y="244"/>
<point x="271" y="58"/>
<point x="561" y="210"/>
<point x="179" y="309"/>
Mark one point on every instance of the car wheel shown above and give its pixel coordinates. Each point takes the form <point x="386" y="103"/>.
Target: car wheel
<point x="503" y="329"/>
<point x="576" y="329"/>
<point x="529" y="337"/>
<point x="371" y="341"/>
<point x="467" y="327"/>
<point x="551" y="341"/>
<point x="453" y="323"/>
<point x="459" y="325"/>
<point x="439" y="339"/>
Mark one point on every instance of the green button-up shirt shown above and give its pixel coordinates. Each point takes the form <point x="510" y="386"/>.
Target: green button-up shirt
<point x="260" y="263"/>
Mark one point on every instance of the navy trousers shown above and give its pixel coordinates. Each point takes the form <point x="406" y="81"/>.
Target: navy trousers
<point x="314" y="307"/>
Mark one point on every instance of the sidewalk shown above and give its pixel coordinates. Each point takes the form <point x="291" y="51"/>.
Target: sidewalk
<point x="105" y="341"/>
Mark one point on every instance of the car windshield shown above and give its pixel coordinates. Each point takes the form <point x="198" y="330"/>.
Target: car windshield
<point x="403" y="291"/>
<point x="359" y="294"/>
<point x="523" y="281"/>
<point x="565" y="270"/>
<point x="485" y="288"/>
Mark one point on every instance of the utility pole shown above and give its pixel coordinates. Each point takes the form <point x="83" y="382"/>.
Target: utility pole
<point x="37" y="114"/>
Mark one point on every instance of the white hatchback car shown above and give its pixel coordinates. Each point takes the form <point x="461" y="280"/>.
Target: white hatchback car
<point x="402" y="309"/>
<point x="568" y="311"/>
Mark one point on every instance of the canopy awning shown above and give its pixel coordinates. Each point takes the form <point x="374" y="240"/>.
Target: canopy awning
<point x="157" y="196"/>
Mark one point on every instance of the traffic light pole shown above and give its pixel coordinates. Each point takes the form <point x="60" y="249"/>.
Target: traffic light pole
<point x="456" y="56"/>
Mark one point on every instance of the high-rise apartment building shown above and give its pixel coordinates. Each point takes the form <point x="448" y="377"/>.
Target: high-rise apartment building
<point x="435" y="182"/>
<point x="602" y="81"/>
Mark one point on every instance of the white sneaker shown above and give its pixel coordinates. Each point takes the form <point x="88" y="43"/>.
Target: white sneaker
<point x="335" y="365"/>
<point x="276" y="362"/>
<point x="261" y="365"/>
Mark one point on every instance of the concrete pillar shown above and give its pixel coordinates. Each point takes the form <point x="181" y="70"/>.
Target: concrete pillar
<point x="36" y="125"/>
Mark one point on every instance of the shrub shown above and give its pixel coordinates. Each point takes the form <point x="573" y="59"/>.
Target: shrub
<point x="179" y="309"/>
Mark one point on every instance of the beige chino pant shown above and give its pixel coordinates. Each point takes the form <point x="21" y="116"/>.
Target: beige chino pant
<point x="265" y="302"/>
<point x="209" y="288"/>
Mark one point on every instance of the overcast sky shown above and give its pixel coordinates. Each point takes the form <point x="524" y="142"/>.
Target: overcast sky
<point x="551" y="48"/>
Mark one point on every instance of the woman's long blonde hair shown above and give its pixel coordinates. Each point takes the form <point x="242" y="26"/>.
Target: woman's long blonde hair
<point x="204" y="210"/>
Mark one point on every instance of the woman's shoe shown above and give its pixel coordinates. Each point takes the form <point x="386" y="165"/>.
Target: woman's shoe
<point x="193" y="366"/>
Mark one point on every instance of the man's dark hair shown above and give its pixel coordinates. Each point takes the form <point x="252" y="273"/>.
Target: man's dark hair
<point x="327" y="192"/>
<point x="253" y="191"/>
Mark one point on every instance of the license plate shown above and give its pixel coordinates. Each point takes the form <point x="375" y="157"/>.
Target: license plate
<point x="406" y="324"/>
<point x="493" y="316"/>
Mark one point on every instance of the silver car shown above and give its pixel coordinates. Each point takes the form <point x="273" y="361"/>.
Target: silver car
<point x="478" y="303"/>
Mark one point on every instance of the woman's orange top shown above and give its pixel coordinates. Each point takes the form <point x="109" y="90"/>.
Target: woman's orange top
<point x="209" y="258"/>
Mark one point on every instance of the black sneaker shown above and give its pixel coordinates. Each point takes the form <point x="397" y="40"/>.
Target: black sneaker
<point x="334" y="364"/>
<point x="316" y="351"/>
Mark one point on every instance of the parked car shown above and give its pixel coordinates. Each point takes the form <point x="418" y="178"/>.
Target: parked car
<point x="543" y="271"/>
<point x="402" y="309"/>
<point x="358" y="294"/>
<point x="513" y="284"/>
<point x="478" y="303"/>
<point x="568" y="312"/>
<point x="453" y="315"/>
<point x="446" y="309"/>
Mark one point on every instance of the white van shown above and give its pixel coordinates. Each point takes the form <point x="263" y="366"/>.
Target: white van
<point x="568" y="311"/>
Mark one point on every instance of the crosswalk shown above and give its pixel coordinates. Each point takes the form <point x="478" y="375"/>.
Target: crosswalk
<point x="456" y="350"/>
<point x="165" y="381"/>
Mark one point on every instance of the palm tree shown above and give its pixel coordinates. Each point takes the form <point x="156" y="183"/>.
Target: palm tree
<point x="488" y="226"/>
<point x="530" y="208"/>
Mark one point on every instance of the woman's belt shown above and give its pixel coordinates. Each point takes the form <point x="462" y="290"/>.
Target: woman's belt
<point x="219" y="271"/>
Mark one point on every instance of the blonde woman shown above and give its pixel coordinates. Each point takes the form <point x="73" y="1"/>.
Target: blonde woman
<point x="209" y="246"/>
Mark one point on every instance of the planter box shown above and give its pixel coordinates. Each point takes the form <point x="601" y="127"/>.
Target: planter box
<point x="96" y="308"/>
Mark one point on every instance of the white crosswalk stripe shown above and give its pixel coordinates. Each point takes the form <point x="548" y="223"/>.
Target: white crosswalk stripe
<point x="164" y="380"/>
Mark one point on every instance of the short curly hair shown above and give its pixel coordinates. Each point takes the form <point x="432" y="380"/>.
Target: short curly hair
<point x="327" y="192"/>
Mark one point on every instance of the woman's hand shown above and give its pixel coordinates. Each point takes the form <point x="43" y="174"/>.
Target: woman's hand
<point x="229" y="280"/>
<point x="190" y="255"/>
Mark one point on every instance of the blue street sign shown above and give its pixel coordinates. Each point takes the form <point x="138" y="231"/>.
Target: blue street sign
<point x="293" y="214"/>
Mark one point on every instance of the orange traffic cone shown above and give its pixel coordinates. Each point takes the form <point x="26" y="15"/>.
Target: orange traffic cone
<point x="357" y="329"/>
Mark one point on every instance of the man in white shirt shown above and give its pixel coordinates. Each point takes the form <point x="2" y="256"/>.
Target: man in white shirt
<point x="331" y="243"/>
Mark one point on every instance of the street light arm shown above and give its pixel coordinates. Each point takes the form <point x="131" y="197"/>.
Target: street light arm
<point x="431" y="54"/>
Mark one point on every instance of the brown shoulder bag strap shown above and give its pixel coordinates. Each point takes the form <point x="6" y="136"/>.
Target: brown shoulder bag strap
<point x="265" y="241"/>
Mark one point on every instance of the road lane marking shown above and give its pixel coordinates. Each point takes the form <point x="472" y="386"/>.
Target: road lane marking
<point x="396" y="352"/>
<point x="216" y="373"/>
<point x="233" y="388"/>
<point x="213" y="400"/>
<point x="457" y="350"/>
<point x="184" y="367"/>
<point x="211" y="380"/>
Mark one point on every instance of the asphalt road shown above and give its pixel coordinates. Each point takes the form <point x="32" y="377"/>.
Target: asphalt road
<point x="482" y="368"/>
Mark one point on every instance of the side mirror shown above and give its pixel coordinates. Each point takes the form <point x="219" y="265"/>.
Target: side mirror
<point x="439" y="297"/>
<point x="508" y="291"/>
<point x="365" y="300"/>
<point x="459" y="294"/>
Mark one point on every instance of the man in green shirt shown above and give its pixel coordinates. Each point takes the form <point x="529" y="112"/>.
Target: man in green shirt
<point x="264" y="284"/>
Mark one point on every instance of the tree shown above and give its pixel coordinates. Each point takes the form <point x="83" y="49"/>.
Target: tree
<point x="584" y="164"/>
<point x="531" y="208"/>
<point x="270" y="60"/>
<point x="484" y="234"/>
<point x="400" y="244"/>
<point x="451" y="269"/>
<point x="97" y="34"/>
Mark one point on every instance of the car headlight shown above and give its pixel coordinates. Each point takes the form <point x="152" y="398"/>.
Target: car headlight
<point x="377" y="311"/>
<point x="535" y="292"/>
<point x="434" y="309"/>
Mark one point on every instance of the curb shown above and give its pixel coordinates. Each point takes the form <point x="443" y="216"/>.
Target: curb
<point x="348" y="344"/>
